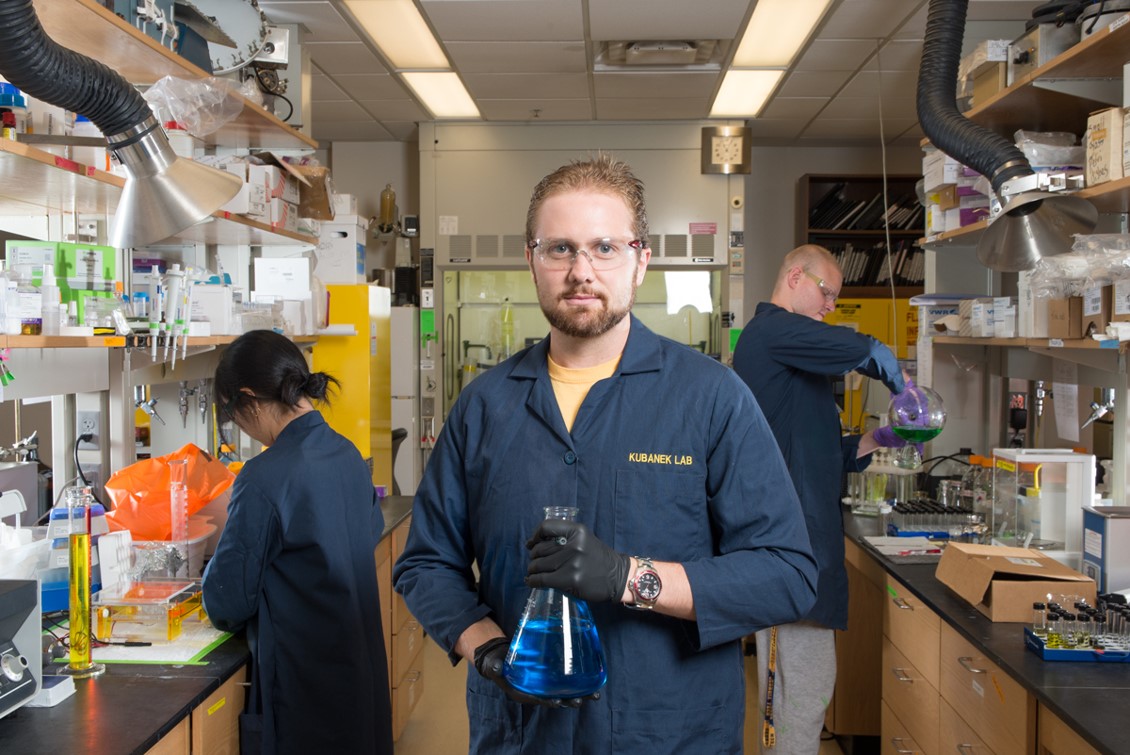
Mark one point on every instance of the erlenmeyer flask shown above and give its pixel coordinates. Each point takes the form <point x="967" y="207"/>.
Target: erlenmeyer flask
<point x="556" y="651"/>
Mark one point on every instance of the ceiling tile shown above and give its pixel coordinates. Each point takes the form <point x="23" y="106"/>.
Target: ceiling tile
<point x="866" y="19"/>
<point x="320" y="20"/>
<point x="496" y="86"/>
<point x="547" y="110"/>
<point x="813" y="84"/>
<point x="344" y="57"/>
<point x="381" y="86"/>
<point x="859" y="107"/>
<point x="395" y="110"/>
<point x="624" y="109"/>
<point x="408" y="131"/>
<point x="324" y="88"/>
<point x="648" y="19"/>
<point x="853" y="128"/>
<point x="518" y="57"/>
<point x="914" y="27"/>
<point x="897" y="55"/>
<point x="658" y="85"/>
<point x="768" y="128"/>
<point x="836" y="54"/>
<point x="529" y="20"/>
<point x="798" y="108"/>
<point x="892" y="84"/>
<point x="339" y="111"/>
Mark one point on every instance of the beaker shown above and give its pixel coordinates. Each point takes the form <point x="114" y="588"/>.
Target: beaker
<point x="556" y="652"/>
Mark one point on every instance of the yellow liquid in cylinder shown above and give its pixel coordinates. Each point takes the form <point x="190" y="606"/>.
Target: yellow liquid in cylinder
<point x="80" y="601"/>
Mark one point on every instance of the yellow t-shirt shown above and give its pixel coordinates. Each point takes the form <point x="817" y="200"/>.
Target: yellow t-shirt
<point x="571" y="386"/>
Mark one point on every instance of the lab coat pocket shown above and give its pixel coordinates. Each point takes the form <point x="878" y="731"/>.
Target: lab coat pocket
<point x="495" y="721"/>
<point x="662" y="513"/>
<point x="701" y="731"/>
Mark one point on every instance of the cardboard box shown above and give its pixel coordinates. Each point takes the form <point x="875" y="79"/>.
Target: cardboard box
<point x="277" y="182"/>
<point x="1103" y="140"/>
<point x="283" y="214"/>
<point x="1096" y="310"/>
<point x="1120" y="301"/>
<point x="943" y="197"/>
<point x="1031" y="310"/>
<point x="315" y="194"/>
<point x="345" y="204"/>
<point x="215" y="304"/>
<point x="989" y="80"/>
<point x="939" y="169"/>
<point x="1065" y="318"/>
<point x="1003" y="583"/>
<point x="341" y="250"/>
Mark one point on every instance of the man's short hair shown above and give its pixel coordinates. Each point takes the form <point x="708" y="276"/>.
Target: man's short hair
<point x="602" y="173"/>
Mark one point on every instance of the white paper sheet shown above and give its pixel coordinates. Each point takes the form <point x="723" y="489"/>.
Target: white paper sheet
<point x="1065" y="398"/>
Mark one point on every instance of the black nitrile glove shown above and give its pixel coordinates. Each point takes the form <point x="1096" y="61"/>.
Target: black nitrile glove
<point x="566" y="556"/>
<point x="489" y="658"/>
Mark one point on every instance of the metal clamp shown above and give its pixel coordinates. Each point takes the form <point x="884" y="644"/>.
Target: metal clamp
<point x="902" y="604"/>
<point x="965" y="661"/>
<point x="900" y="674"/>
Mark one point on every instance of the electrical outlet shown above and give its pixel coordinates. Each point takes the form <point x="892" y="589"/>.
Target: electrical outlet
<point x="88" y="422"/>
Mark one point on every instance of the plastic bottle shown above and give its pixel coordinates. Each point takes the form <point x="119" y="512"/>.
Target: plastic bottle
<point x="30" y="303"/>
<point x="507" y="321"/>
<point x="11" y="323"/>
<point x="182" y="142"/>
<point x="96" y="157"/>
<point x="52" y="312"/>
<point x="541" y="661"/>
<point x="12" y="99"/>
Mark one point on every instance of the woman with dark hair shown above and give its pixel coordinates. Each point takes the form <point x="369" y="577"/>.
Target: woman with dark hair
<point x="295" y="564"/>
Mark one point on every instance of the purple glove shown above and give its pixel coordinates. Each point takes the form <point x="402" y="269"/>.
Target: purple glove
<point x="885" y="436"/>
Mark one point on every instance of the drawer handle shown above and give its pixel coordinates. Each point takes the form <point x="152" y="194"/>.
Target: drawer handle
<point x="966" y="749"/>
<point x="896" y="742"/>
<point x="900" y="674"/>
<point x="413" y="677"/>
<point x="965" y="662"/>
<point x="902" y="604"/>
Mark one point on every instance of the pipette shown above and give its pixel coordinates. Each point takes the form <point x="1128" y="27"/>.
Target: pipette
<point x="187" y="318"/>
<point x="174" y="279"/>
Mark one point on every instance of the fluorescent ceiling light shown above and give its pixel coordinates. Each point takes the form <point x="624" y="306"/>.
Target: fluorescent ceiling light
<point x="744" y="93"/>
<point x="777" y="30"/>
<point x="399" y="30"/>
<point x="442" y="93"/>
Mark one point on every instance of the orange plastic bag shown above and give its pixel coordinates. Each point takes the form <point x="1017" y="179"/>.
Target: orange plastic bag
<point x="140" y="492"/>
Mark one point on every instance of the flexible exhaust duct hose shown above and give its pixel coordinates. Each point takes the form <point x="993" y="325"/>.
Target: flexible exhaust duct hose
<point x="39" y="66"/>
<point x="989" y="154"/>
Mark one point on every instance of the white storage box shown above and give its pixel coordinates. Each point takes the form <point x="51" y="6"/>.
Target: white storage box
<point x="213" y="303"/>
<point x="341" y="251"/>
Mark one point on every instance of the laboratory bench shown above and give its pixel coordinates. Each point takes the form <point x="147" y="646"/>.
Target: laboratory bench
<point x="1075" y="705"/>
<point x="165" y="708"/>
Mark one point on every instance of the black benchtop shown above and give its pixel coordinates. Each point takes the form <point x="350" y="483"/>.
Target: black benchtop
<point x="1092" y="698"/>
<point x="131" y="706"/>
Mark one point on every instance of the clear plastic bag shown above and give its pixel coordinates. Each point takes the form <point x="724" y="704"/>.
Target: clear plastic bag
<point x="202" y="106"/>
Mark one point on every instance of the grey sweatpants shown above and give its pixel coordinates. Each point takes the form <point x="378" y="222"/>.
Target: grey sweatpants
<point x="802" y="689"/>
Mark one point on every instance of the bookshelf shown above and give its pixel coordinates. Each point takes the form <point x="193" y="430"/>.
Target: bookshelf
<point x="848" y="215"/>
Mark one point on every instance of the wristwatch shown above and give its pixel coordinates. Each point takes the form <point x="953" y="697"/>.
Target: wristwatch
<point x="645" y="584"/>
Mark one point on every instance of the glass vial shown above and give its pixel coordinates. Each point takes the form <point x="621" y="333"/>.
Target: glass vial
<point x="556" y="652"/>
<point x="1039" y="620"/>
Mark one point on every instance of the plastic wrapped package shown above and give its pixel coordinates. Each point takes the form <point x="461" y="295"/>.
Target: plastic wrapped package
<point x="202" y="106"/>
<point x="1051" y="149"/>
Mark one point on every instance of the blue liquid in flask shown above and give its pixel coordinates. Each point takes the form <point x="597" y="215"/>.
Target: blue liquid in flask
<point x="556" y="652"/>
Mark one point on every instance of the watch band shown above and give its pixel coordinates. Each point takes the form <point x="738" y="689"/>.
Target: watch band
<point x="645" y="585"/>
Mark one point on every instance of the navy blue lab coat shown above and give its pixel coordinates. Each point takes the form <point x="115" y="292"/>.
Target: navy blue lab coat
<point x="295" y="565"/>
<point x="787" y="360"/>
<point x="669" y="458"/>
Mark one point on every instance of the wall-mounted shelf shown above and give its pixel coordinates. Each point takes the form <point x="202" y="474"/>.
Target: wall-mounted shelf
<point x="1035" y="343"/>
<point x="32" y="180"/>
<point x="87" y="27"/>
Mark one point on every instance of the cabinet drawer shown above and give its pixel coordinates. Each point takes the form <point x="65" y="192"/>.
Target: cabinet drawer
<point x="406" y="647"/>
<point x="405" y="696"/>
<point x="956" y="736"/>
<point x="215" y="722"/>
<point x="174" y="743"/>
<point x="997" y="709"/>
<point x="384" y="584"/>
<point x="911" y="697"/>
<point x="896" y="740"/>
<point x="912" y="628"/>
<point x="1057" y="738"/>
<point x="399" y="536"/>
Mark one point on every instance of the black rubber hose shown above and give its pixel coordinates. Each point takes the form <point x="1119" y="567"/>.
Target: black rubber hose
<point x="42" y="68"/>
<point x="948" y="130"/>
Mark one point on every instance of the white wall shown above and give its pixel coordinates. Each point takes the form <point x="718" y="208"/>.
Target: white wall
<point x="364" y="169"/>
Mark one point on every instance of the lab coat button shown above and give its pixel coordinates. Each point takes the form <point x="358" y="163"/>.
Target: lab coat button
<point x="570" y="457"/>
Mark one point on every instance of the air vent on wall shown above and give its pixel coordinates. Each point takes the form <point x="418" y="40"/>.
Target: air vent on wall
<point x="687" y="54"/>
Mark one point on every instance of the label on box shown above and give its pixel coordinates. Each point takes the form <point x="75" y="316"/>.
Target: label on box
<point x="1025" y="562"/>
<point x="1092" y="302"/>
<point x="1122" y="297"/>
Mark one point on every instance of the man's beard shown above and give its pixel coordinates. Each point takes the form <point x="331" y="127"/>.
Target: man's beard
<point x="586" y="324"/>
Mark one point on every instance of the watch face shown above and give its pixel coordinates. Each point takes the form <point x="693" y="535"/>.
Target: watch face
<point x="647" y="586"/>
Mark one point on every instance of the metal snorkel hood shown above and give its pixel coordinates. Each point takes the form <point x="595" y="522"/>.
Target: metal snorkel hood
<point x="163" y="195"/>
<point x="1032" y="224"/>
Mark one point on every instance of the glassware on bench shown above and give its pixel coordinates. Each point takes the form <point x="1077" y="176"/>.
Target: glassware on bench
<point x="916" y="415"/>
